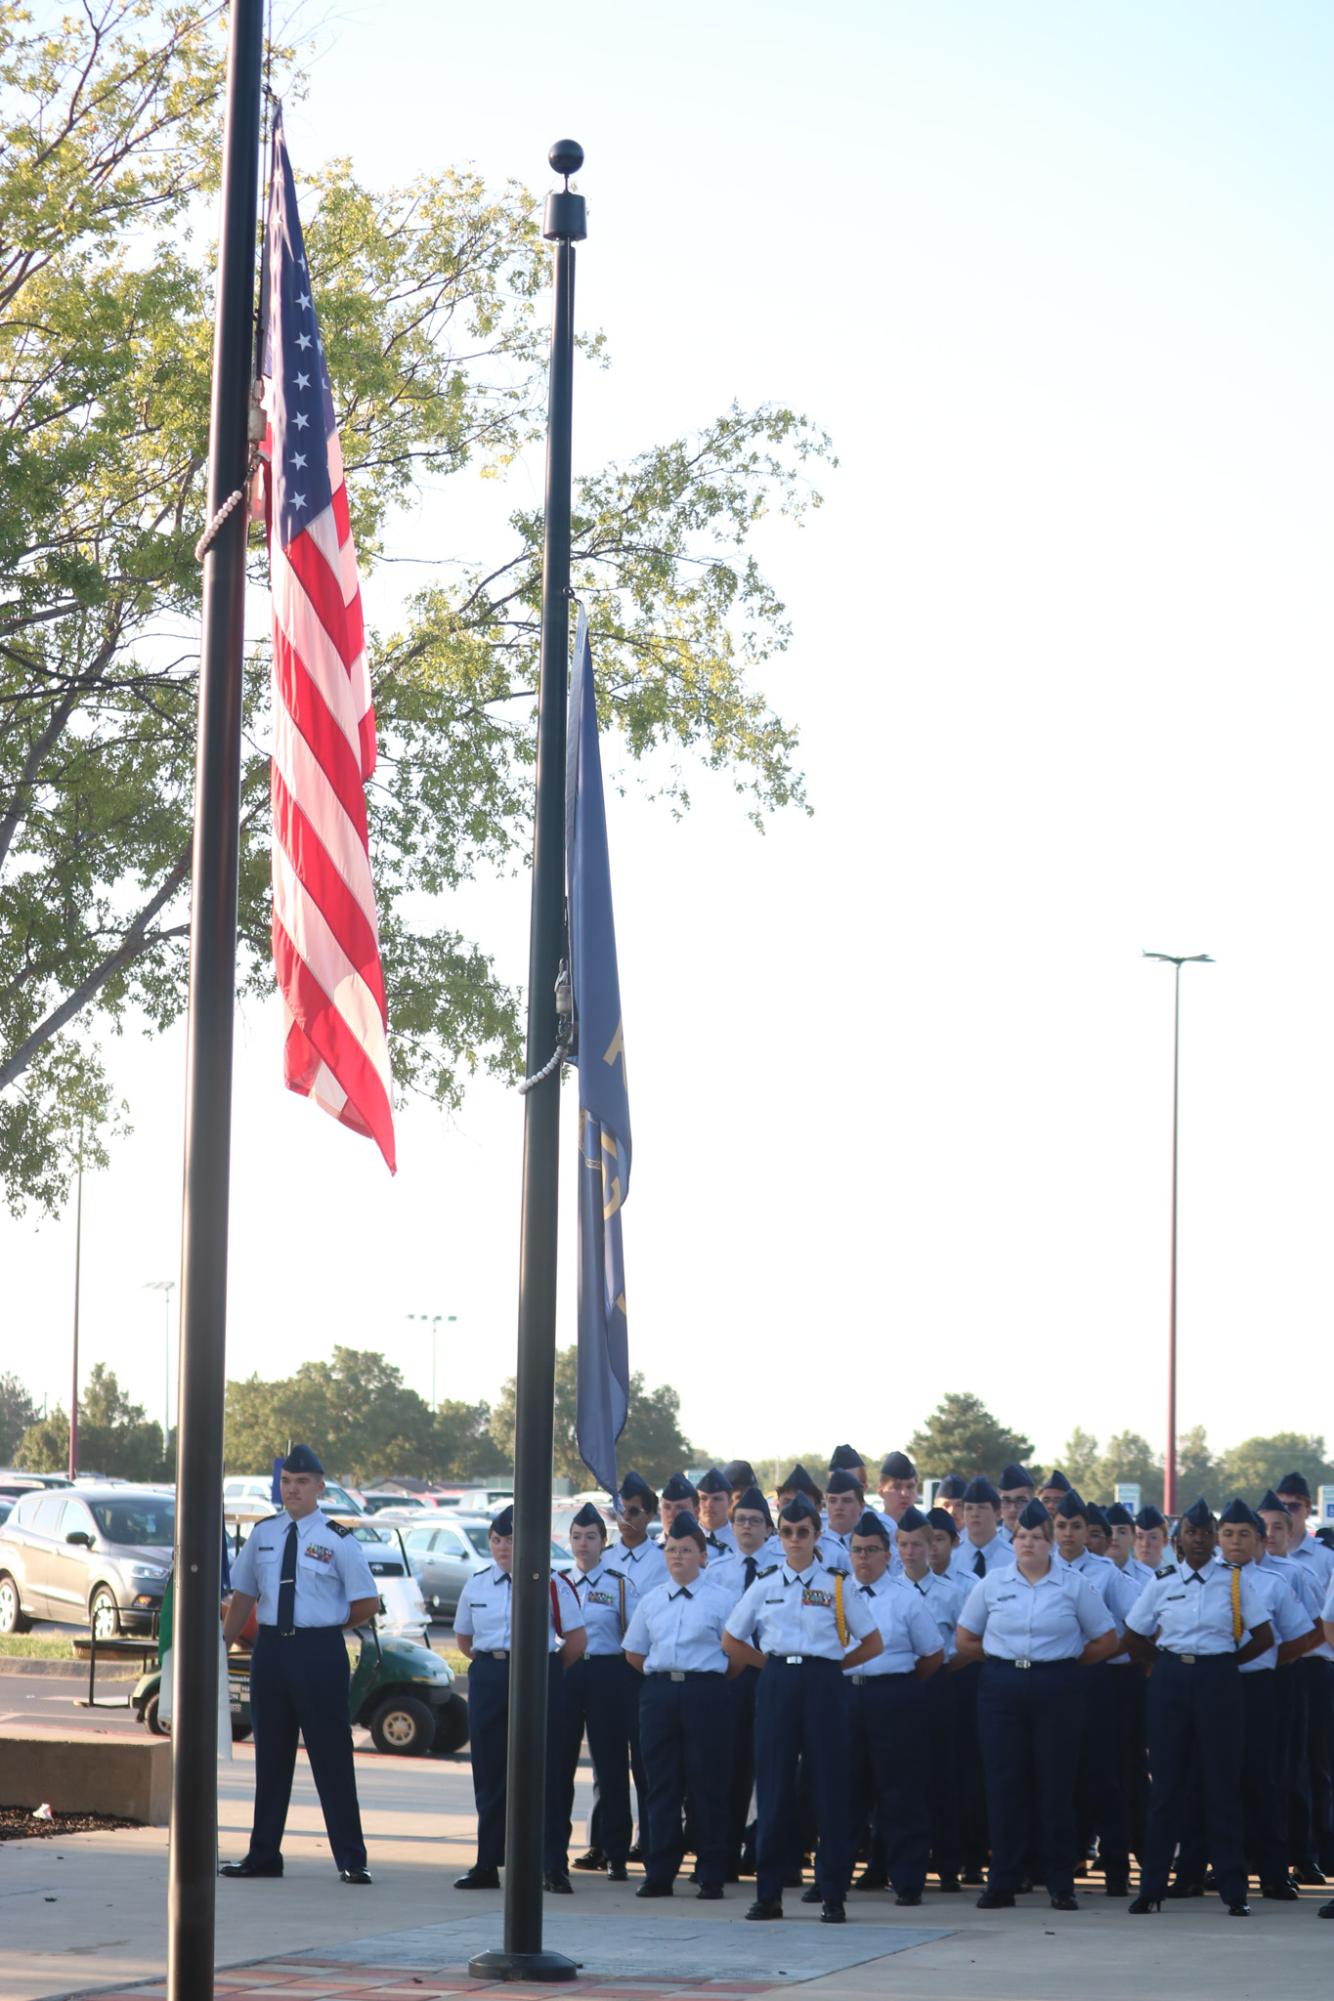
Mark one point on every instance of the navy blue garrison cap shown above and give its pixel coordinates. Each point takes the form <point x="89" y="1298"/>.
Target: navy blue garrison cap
<point x="1199" y="1514"/>
<point x="1071" y="1508"/>
<point x="799" y="1481"/>
<point x="845" y="1459"/>
<point x="1150" y="1517"/>
<point x="910" y="1519"/>
<point x="634" y="1487"/>
<point x="1294" y="1483"/>
<point x="302" y="1460"/>
<point x="678" y="1488"/>
<point x="1034" y="1516"/>
<point x="1237" y="1513"/>
<point x="941" y="1518"/>
<point x="685" y="1526"/>
<point x="1014" y="1476"/>
<point x="843" y="1482"/>
<point x="871" y="1524"/>
<point x="1095" y="1516"/>
<point x="897" y="1466"/>
<point x="589" y="1517"/>
<point x="755" y="1503"/>
<point x="715" y="1482"/>
<point x="503" y="1523"/>
<point x="952" y="1487"/>
<point x="1056" y="1481"/>
<point x="801" y="1508"/>
<point x="1270" y="1504"/>
<point x="981" y="1490"/>
<point x="739" y="1473"/>
<point x="1118" y="1516"/>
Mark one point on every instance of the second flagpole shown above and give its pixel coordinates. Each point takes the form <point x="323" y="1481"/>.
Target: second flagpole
<point x="522" y="1956"/>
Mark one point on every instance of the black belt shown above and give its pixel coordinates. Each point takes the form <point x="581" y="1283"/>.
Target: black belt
<point x="295" y="1632"/>
<point x="1194" y="1660"/>
<point x="998" y="1660"/>
<point x="803" y="1660"/>
<point x="685" y="1674"/>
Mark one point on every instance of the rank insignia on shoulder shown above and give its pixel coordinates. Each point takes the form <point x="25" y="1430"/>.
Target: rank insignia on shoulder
<point x="1168" y="1570"/>
<point x="339" y="1528"/>
<point x="768" y="1570"/>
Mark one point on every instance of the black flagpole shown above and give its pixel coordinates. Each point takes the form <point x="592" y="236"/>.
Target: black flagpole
<point x="192" y="1865"/>
<point x="522" y="1957"/>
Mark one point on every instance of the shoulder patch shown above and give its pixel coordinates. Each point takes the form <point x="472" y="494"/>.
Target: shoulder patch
<point x="836" y="1570"/>
<point x="768" y="1570"/>
<point x="1168" y="1570"/>
<point x="339" y="1528"/>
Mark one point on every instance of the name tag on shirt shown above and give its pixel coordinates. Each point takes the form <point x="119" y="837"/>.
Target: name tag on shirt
<point x="1004" y="1597"/>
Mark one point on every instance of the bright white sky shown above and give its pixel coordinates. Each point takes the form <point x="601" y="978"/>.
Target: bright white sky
<point x="1058" y="280"/>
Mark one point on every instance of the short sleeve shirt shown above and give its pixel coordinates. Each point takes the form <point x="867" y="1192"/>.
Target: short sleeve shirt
<point x="1047" y="1620"/>
<point x="679" y="1629"/>
<point x="1191" y="1611"/>
<point x="486" y="1607"/>
<point x="906" y="1626"/>
<point x="796" y="1612"/>
<point x="331" y="1569"/>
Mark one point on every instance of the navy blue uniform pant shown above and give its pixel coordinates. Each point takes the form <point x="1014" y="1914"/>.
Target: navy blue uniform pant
<point x="1029" y="1721"/>
<point x="741" y="1692"/>
<point x="1195" y="1726"/>
<point x="298" y="1686"/>
<point x="943" y="1772"/>
<point x="888" y="1733"/>
<point x="1263" y="1806"/>
<point x="683" y="1735"/>
<point x="801" y="1715"/>
<point x="1101" y="1791"/>
<point x="596" y="1697"/>
<point x="488" y="1748"/>
<point x="1320" y="1757"/>
<point x="974" y="1833"/>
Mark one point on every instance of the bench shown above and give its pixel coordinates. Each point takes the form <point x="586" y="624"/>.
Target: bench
<point x="143" y="1651"/>
<point x="89" y="1773"/>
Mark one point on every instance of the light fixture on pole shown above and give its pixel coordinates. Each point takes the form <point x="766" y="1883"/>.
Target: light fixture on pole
<point x="166" y="1286"/>
<point x="1170" y="1458"/>
<point x="435" y="1319"/>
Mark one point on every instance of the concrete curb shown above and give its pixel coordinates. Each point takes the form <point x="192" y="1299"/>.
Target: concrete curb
<point x="72" y="1669"/>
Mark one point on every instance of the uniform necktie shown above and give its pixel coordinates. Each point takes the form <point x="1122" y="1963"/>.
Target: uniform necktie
<point x="1236" y="1605"/>
<point x="751" y="1568"/>
<point x="868" y="1591"/>
<point x="682" y="1593"/>
<point x="287" y="1584"/>
<point x="979" y="1565"/>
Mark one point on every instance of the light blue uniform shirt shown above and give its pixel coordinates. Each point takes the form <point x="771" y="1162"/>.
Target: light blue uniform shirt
<point x="726" y="1536"/>
<point x="834" y="1551"/>
<point x="1191" y="1610"/>
<point x="1047" y="1621"/>
<point x="1327" y="1609"/>
<point x="1316" y="1565"/>
<point x="1138" y="1574"/>
<point x="607" y="1600"/>
<point x="995" y="1555"/>
<point x="906" y="1627"/>
<point x="483" y="1613"/>
<point x="1286" y="1613"/>
<point x="944" y="1599"/>
<point x="1118" y="1593"/>
<point x="646" y="1567"/>
<point x="679" y="1629"/>
<point x="331" y="1570"/>
<point x="794" y="1612"/>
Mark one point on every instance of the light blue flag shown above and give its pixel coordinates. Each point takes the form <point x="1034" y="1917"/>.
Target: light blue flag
<point x="604" y="1106"/>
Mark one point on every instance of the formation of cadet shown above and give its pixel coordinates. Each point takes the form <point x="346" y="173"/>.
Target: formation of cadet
<point x="1012" y="1688"/>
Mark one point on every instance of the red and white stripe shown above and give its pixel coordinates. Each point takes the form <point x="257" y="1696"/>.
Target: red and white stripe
<point x="326" y="947"/>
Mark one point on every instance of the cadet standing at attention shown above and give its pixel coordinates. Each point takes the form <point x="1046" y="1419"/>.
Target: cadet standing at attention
<point x="1016" y="1491"/>
<point x="482" y="1631"/>
<point x="758" y="1550"/>
<point x="598" y="1694"/>
<point x="715" y="1506"/>
<point x="1206" y="1618"/>
<point x="803" y="1620"/>
<point x="1033" y="1626"/>
<point x="635" y="1554"/>
<point x="944" y="1595"/>
<point x="309" y="1579"/>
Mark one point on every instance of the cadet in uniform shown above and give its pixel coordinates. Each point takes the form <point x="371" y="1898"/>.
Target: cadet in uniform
<point x="758" y="1551"/>
<point x="982" y="1548"/>
<point x="847" y="1459"/>
<point x="898" y="1487"/>
<point x="309" y="1579"/>
<point x="804" y="1621"/>
<point x="1099" y="1530"/>
<point x="1032" y="1625"/>
<point x="597" y="1696"/>
<point x="845" y="1503"/>
<point x="1053" y="1491"/>
<point x="715" y="1506"/>
<point x="1200" y="1614"/>
<point x="1101" y="1793"/>
<point x="636" y="1556"/>
<point x="1317" y="1685"/>
<point x="949" y="1496"/>
<point x="980" y="1552"/>
<point x="888" y="1719"/>
<point x="482" y="1631"/>
<point x="1016" y="1491"/>
<point x="679" y="1497"/>
<point x="944" y="1596"/>
<point x="1151" y="1539"/>
<point x="674" y="1640"/>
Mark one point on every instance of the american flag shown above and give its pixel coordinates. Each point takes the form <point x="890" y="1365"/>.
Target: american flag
<point x="326" y="948"/>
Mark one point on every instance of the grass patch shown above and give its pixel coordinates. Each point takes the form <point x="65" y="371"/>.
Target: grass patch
<point x="23" y="1646"/>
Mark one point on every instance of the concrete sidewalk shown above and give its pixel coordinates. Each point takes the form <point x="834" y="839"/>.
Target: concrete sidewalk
<point x="86" y="1916"/>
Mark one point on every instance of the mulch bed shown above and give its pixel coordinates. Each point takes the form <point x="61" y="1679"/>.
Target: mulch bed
<point x="17" y="1824"/>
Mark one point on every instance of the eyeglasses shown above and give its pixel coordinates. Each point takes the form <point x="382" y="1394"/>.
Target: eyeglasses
<point x="1294" y="1507"/>
<point x="634" y="1514"/>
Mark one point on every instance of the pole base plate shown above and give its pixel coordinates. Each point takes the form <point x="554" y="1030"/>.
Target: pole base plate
<point x="500" y="1965"/>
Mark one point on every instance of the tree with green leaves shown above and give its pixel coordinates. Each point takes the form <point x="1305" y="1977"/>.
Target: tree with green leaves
<point x="1129" y="1457"/>
<point x="653" y="1442"/>
<point x="1197" y="1469"/>
<point x="1258" y="1463"/>
<point x="962" y="1436"/>
<point x="434" y="328"/>
<point x="116" y="1437"/>
<point x="1079" y="1462"/>
<point x="17" y="1412"/>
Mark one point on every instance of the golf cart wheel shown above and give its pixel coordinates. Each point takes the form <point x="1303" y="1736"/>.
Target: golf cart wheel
<point x="451" y="1726"/>
<point x="404" y="1726"/>
<point x="153" y="1718"/>
<point x="240" y="1730"/>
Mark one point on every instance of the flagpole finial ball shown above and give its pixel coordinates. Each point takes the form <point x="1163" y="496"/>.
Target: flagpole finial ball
<point x="566" y="157"/>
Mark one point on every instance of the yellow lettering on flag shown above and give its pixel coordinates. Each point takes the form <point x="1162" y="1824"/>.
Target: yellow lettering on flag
<point x="616" y="1047"/>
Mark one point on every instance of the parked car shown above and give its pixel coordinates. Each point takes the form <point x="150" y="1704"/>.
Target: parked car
<point x="249" y="1489"/>
<point x="401" y="1503"/>
<point x="16" y="1473"/>
<point x="444" y="1555"/>
<point x="98" y="1556"/>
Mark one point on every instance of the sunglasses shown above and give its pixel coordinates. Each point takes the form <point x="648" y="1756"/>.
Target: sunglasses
<point x="1294" y="1507"/>
<point x="634" y="1514"/>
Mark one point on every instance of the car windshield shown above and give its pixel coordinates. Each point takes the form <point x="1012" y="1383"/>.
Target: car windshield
<point x="145" y="1522"/>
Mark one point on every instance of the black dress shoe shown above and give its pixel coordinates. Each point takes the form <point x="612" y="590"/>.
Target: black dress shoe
<point x="1117" y="1886"/>
<point x="949" y="1883"/>
<point x="709" y="1893"/>
<point x="1178" y="1890"/>
<point x="872" y="1879"/>
<point x="558" y="1883"/>
<point x="647" y="1889"/>
<point x="1143" y="1905"/>
<point x="594" y="1859"/>
<point x="763" y="1909"/>
<point x="1308" y="1875"/>
<point x="1279" y="1893"/>
<point x="636" y="1853"/>
<point x="1326" y="1910"/>
<point x="996" y="1900"/>
<point x="245" y="1867"/>
<point x="972" y="1877"/>
<point x="1065" y="1903"/>
<point x="354" y="1875"/>
<point x="617" y="1872"/>
<point x="812" y="1894"/>
<point x="793" y="1880"/>
<point x="833" y="1914"/>
<point x="1242" y="1910"/>
<point x="478" y="1879"/>
<point x="906" y="1899"/>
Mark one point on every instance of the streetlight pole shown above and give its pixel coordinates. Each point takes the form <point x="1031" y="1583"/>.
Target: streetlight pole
<point x="1170" y="1457"/>
<point x="166" y="1286"/>
<point x="435" y="1319"/>
<point x="74" y="1366"/>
